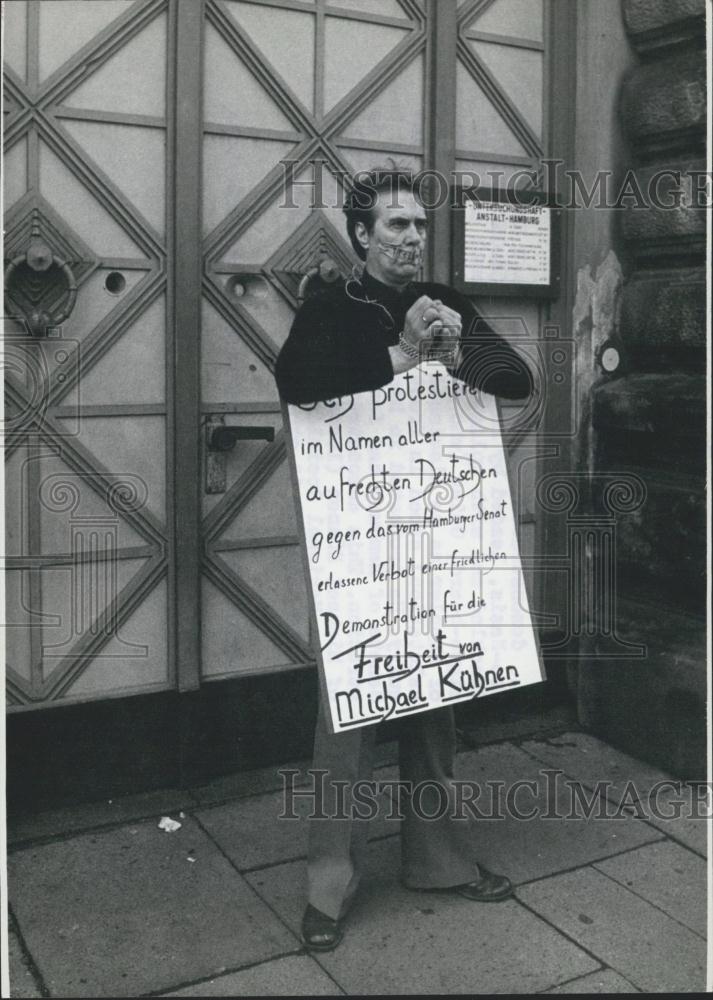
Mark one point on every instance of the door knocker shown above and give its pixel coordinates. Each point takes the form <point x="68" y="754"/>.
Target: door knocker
<point x="41" y="285"/>
<point x="325" y="272"/>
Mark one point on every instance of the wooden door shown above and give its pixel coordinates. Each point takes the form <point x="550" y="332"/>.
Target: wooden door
<point x="88" y="425"/>
<point x="310" y="92"/>
<point x="330" y="87"/>
<point x="508" y="119"/>
<point x="149" y="142"/>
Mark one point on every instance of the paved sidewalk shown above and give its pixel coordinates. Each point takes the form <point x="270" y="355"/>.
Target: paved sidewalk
<point x="104" y="903"/>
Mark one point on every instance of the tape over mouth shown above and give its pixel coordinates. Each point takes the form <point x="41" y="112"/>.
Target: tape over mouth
<point x="401" y="255"/>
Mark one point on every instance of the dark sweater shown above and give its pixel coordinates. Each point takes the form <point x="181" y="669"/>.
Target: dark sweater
<point x="339" y="345"/>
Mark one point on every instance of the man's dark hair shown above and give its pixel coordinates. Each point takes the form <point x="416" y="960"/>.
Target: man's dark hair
<point x="366" y="186"/>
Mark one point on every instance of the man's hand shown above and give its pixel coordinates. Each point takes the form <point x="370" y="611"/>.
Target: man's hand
<point x="427" y="318"/>
<point x="417" y="325"/>
<point x="448" y="322"/>
<point x="447" y="327"/>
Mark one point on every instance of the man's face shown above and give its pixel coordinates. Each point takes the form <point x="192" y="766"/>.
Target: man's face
<point x="394" y="247"/>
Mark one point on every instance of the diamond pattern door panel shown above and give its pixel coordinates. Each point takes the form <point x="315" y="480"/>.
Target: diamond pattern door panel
<point x="501" y="81"/>
<point x="342" y="84"/>
<point x="86" y="422"/>
<point x="314" y="92"/>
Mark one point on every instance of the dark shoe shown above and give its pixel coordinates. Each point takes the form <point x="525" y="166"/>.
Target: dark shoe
<point x="320" y="932"/>
<point x="489" y="888"/>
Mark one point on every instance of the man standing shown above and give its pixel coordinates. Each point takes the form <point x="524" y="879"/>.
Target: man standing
<point x="355" y="338"/>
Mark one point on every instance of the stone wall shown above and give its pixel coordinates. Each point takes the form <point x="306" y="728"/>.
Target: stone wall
<point x="649" y="418"/>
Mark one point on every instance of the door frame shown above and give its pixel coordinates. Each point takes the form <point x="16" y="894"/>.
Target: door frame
<point x="185" y="278"/>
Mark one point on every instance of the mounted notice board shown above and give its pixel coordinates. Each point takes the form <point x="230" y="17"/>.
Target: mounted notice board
<point x="506" y="243"/>
<point x="410" y="543"/>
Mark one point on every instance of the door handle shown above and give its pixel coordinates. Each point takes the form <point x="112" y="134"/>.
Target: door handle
<point x="219" y="440"/>
<point x="222" y="438"/>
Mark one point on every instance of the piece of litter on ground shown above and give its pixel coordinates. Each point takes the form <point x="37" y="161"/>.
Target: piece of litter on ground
<point x="182" y="815"/>
<point x="191" y="859"/>
<point x="168" y="824"/>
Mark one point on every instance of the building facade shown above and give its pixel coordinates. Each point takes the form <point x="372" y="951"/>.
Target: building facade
<point x="173" y="169"/>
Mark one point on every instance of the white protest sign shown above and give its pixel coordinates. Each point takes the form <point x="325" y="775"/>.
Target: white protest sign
<point x="412" y="548"/>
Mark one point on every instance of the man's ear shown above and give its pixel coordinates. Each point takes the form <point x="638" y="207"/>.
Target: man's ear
<point x="362" y="234"/>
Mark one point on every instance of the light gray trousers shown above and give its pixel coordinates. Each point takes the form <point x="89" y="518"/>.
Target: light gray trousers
<point x="434" y="853"/>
